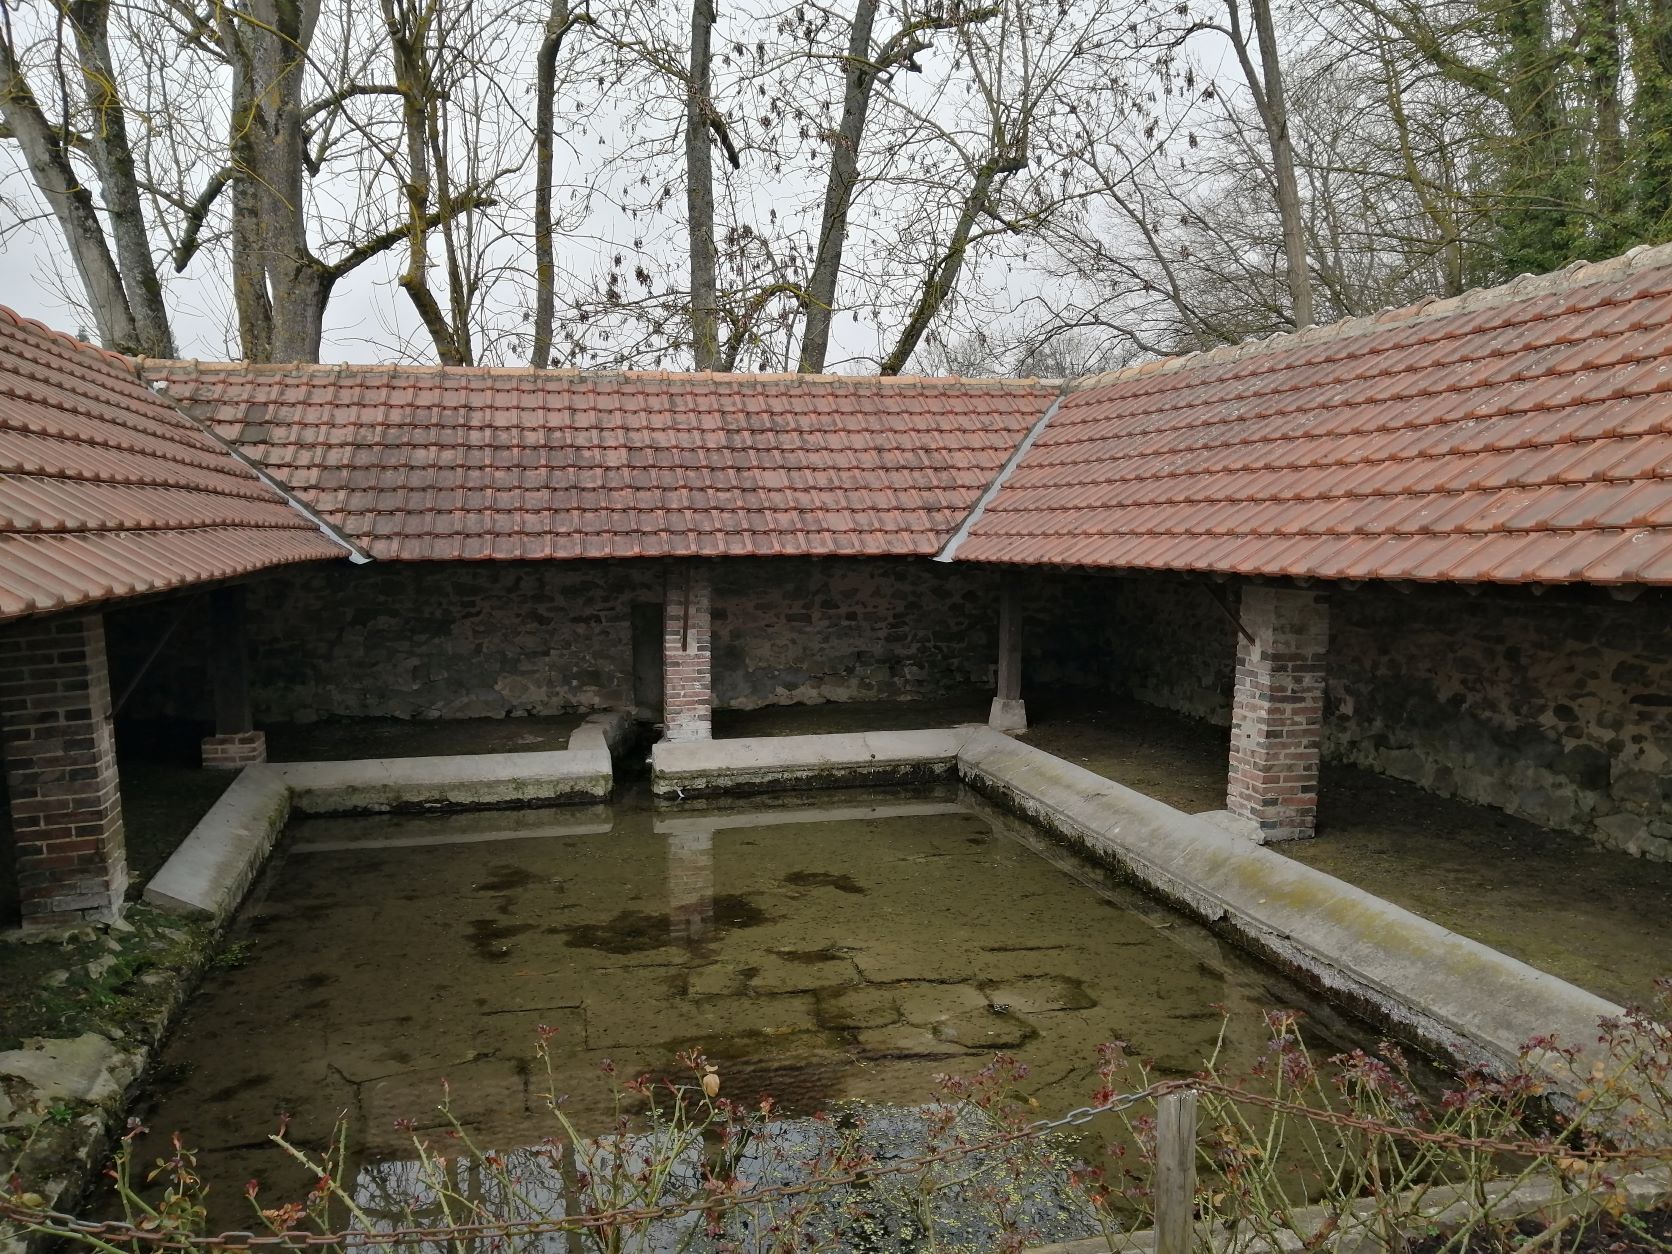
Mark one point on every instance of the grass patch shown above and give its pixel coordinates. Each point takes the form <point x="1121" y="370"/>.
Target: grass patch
<point x="94" y="979"/>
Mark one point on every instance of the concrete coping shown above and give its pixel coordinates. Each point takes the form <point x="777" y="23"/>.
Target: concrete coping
<point x="1453" y="996"/>
<point x="706" y="768"/>
<point x="215" y="865"/>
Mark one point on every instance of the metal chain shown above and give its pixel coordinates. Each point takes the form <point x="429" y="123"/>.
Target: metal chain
<point x="1450" y="1140"/>
<point x="65" y="1225"/>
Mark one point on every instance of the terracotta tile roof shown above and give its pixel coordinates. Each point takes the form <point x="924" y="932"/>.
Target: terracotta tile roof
<point x="107" y="491"/>
<point x="1517" y="434"/>
<point x="440" y="463"/>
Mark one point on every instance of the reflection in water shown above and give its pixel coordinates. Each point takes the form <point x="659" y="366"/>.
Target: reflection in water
<point x="817" y="954"/>
<point x="883" y="1211"/>
<point x="690" y="886"/>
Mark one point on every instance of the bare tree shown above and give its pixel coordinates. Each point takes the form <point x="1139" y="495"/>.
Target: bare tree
<point x="122" y="289"/>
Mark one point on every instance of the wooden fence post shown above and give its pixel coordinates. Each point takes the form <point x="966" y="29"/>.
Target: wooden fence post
<point x="1175" y="1172"/>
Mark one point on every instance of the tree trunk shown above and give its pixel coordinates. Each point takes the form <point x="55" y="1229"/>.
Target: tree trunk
<point x="407" y="37"/>
<point x="943" y="275"/>
<point x="72" y="204"/>
<point x="1267" y="87"/>
<point x="699" y="193"/>
<point x="558" y="22"/>
<point x="858" y="80"/>
<point x="1534" y="229"/>
<point x="280" y="287"/>
<point x="113" y="158"/>
<point x="1599" y="41"/>
<point x="1651" y="109"/>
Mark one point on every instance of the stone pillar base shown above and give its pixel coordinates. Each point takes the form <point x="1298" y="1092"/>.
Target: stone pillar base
<point x="1008" y="715"/>
<point x="235" y="751"/>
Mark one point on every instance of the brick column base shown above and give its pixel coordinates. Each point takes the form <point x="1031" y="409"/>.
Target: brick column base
<point x="60" y="756"/>
<point x="235" y="751"/>
<point x="1277" y="713"/>
<point x="687" y="677"/>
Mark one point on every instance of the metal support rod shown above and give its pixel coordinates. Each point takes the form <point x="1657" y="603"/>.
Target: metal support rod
<point x="151" y="657"/>
<point x="1224" y="605"/>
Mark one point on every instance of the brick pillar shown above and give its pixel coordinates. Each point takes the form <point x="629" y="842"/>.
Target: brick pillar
<point x="1277" y="715"/>
<point x="60" y="756"/>
<point x="1008" y="713"/>
<point x="690" y="886"/>
<point x="236" y="743"/>
<point x="687" y="678"/>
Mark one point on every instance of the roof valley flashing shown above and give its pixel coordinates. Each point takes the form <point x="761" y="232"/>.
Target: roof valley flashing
<point x="159" y="388"/>
<point x="949" y="552"/>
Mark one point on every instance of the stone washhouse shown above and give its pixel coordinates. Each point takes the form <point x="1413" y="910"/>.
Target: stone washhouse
<point x="1435" y="543"/>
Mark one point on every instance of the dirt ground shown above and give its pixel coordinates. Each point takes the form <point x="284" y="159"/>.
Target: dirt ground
<point x="1591" y="916"/>
<point x="851" y="716"/>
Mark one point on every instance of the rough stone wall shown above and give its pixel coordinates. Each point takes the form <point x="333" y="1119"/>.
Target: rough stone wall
<point x="409" y="640"/>
<point x="1555" y="709"/>
<point x="498" y="639"/>
<point x="1171" y="645"/>
<point x="862" y="629"/>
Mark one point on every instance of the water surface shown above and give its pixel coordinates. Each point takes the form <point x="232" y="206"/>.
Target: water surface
<point x="852" y="946"/>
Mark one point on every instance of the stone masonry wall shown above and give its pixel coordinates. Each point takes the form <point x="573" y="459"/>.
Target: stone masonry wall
<point x="502" y="639"/>
<point x="1557" y="709"/>
<point x="407" y="640"/>
<point x="866" y="629"/>
<point x="1172" y="645"/>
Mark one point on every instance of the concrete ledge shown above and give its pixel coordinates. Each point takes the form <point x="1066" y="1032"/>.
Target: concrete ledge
<point x="215" y="865"/>
<point x="612" y="731"/>
<point x="481" y="780"/>
<point x="702" y="768"/>
<point x="1450" y="994"/>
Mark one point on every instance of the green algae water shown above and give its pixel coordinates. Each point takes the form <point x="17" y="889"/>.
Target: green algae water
<point x="843" y="947"/>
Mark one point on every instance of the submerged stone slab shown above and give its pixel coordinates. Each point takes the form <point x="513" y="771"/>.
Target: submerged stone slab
<point x="1039" y="993"/>
<point x="926" y="1004"/>
<point x="986" y="1029"/>
<point x="1450" y="993"/>
<point x="704" y="768"/>
<point x="862" y="1007"/>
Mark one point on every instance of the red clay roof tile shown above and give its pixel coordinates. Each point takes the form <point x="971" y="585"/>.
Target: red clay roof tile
<point x="1519" y="434"/>
<point x="622" y="465"/>
<point x="107" y="491"/>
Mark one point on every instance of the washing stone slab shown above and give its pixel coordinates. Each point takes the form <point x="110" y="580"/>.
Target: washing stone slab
<point x="208" y="875"/>
<point x="704" y="768"/>
<point x="1453" y="995"/>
